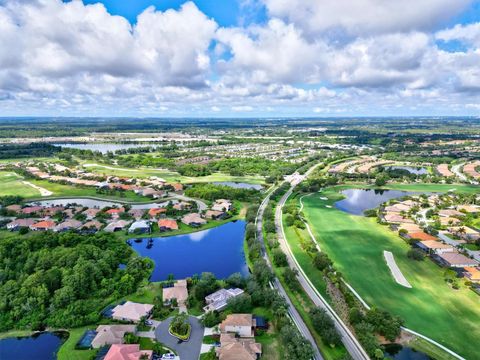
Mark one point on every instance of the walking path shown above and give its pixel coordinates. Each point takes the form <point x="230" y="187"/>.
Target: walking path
<point x="396" y="272"/>
<point x="43" y="191"/>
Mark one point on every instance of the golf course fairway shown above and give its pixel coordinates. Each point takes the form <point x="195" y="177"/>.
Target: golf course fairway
<point x="356" y="245"/>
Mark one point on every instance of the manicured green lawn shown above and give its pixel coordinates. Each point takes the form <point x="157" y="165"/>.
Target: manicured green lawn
<point x="356" y="246"/>
<point x="11" y="184"/>
<point x="72" y="191"/>
<point x="68" y="352"/>
<point x="172" y="176"/>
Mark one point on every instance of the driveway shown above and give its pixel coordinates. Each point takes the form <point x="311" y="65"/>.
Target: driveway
<point x="186" y="350"/>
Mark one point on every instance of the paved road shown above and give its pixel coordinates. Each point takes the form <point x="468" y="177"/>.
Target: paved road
<point x="294" y="315"/>
<point x="351" y="343"/>
<point x="186" y="350"/>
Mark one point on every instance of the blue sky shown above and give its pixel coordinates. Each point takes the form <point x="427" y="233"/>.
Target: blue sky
<point x="225" y="12"/>
<point x="240" y="58"/>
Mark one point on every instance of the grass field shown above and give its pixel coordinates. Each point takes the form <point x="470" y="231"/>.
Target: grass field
<point x="356" y="244"/>
<point x="11" y="184"/>
<point x="68" y="352"/>
<point x="171" y="176"/>
<point x="60" y="190"/>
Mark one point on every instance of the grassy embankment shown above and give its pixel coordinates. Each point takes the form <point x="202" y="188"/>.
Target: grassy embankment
<point x="169" y="175"/>
<point x="11" y="184"/>
<point x="356" y="245"/>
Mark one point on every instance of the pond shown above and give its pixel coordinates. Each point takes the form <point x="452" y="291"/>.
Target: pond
<point x="218" y="250"/>
<point x="40" y="346"/>
<point x="239" y="185"/>
<point x="410" y="169"/>
<point x="92" y="203"/>
<point x="359" y="200"/>
<point x="399" y="352"/>
<point x="100" y="147"/>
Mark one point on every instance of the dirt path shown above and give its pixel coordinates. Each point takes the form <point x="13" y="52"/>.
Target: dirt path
<point x="43" y="191"/>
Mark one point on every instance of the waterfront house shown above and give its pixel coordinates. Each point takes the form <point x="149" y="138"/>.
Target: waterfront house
<point x="111" y="334"/>
<point x="218" y="300"/>
<point x="167" y="224"/>
<point x="116" y="226"/>
<point x="178" y="291"/>
<point x="214" y="214"/>
<point x="222" y="205"/>
<point x="193" y="219"/>
<point x="131" y="311"/>
<point x="140" y="226"/>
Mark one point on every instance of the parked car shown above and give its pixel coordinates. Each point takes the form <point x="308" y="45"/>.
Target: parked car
<point x="168" y="356"/>
<point x="149" y="322"/>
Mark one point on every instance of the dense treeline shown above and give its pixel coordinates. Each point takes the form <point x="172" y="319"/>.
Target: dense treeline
<point x="15" y="151"/>
<point x="63" y="280"/>
<point x="213" y="192"/>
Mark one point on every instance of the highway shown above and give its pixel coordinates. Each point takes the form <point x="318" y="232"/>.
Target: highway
<point x="351" y="343"/>
<point x="294" y="315"/>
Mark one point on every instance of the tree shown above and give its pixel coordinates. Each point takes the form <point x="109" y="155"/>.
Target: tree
<point x="240" y="304"/>
<point x="205" y="286"/>
<point x="416" y="254"/>
<point x="290" y="276"/>
<point x="321" y="261"/>
<point x="279" y="258"/>
<point x="296" y="346"/>
<point x="211" y="319"/>
<point x="262" y="273"/>
<point x="325" y="326"/>
<point x="236" y="280"/>
<point x="381" y="180"/>
<point x="289" y="220"/>
<point x="180" y="324"/>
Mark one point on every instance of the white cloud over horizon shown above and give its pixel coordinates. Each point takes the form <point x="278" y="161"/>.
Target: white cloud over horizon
<point x="309" y="57"/>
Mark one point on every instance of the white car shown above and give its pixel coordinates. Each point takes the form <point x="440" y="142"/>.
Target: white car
<point x="168" y="356"/>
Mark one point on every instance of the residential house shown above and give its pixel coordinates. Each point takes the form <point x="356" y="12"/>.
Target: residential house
<point x="456" y="260"/>
<point x="91" y="226"/>
<point x="214" y="214"/>
<point x="182" y="205"/>
<point x="115" y="213"/>
<point x="232" y="348"/>
<point x="420" y="235"/>
<point x="116" y="225"/>
<point x="435" y="247"/>
<point x="70" y="224"/>
<point x="449" y="221"/>
<point x="472" y="209"/>
<point x="111" y="334"/>
<point x="29" y="210"/>
<point x="131" y="311"/>
<point x="396" y="218"/>
<point x="218" y="300"/>
<point x="240" y="324"/>
<point x="408" y="227"/>
<point x="450" y="213"/>
<point x="127" y="352"/>
<point x="155" y="212"/>
<point x="43" y="225"/>
<point x="397" y="208"/>
<point x="137" y="214"/>
<point x="178" y="291"/>
<point x="193" y="219"/>
<point x="90" y="213"/>
<point x="464" y="232"/>
<point x="17" y="224"/>
<point x="176" y="187"/>
<point x="14" y="208"/>
<point x="140" y="226"/>
<point x="472" y="274"/>
<point x="222" y="205"/>
<point x="167" y="224"/>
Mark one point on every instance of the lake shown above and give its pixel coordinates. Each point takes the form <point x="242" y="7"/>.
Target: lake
<point x="218" y="250"/>
<point x="41" y="346"/>
<point x="239" y="185"/>
<point x="359" y="200"/>
<point x="410" y="169"/>
<point x="91" y="203"/>
<point x="399" y="352"/>
<point x="101" y="147"/>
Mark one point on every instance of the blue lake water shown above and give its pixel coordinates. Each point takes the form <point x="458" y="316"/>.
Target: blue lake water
<point x="101" y="147"/>
<point x="218" y="250"/>
<point x="359" y="200"/>
<point x="239" y="185"/>
<point x="41" y="346"/>
<point x="410" y="169"/>
<point x="399" y="352"/>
